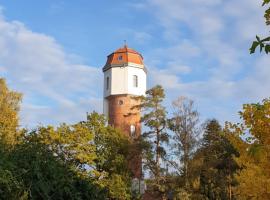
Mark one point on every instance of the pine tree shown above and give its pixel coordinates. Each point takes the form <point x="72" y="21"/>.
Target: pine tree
<point x="154" y="119"/>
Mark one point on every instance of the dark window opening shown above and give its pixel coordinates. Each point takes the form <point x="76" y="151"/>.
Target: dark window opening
<point x="107" y="83"/>
<point x="135" y="81"/>
<point x="120" y="58"/>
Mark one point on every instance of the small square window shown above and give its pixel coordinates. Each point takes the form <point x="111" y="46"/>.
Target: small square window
<point x="120" y="57"/>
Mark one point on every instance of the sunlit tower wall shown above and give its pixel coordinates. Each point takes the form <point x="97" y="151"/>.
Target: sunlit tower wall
<point x="124" y="78"/>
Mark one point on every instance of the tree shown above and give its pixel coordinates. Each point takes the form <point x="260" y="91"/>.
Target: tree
<point x="264" y="43"/>
<point x="251" y="138"/>
<point x="184" y="126"/>
<point x="44" y="174"/>
<point x="154" y="119"/>
<point x="86" y="160"/>
<point x="73" y="144"/>
<point x="112" y="157"/>
<point x="45" y="164"/>
<point x="9" y="119"/>
<point x="218" y="169"/>
<point x="93" y="149"/>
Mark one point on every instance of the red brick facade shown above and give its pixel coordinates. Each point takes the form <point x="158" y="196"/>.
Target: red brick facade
<point x="122" y="116"/>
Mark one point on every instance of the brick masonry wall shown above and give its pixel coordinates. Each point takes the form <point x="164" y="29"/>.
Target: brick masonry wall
<point x="122" y="116"/>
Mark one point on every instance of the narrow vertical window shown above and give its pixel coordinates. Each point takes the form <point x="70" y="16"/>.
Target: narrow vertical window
<point x="135" y="81"/>
<point x="107" y="83"/>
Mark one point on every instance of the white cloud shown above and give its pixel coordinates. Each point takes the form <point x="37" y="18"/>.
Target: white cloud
<point x="219" y="34"/>
<point x="55" y="88"/>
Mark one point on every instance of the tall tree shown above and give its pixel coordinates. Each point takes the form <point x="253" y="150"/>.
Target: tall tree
<point x="217" y="176"/>
<point x="9" y="118"/>
<point x="263" y="44"/>
<point x="184" y="126"/>
<point x="154" y="119"/>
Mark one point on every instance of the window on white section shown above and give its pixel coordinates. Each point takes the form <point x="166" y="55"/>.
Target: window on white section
<point x="132" y="131"/>
<point x="135" y="81"/>
<point x="107" y="83"/>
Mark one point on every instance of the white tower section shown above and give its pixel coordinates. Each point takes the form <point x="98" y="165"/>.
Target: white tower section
<point x="124" y="74"/>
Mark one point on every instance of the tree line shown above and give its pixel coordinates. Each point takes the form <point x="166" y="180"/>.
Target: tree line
<point x="182" y="158"/>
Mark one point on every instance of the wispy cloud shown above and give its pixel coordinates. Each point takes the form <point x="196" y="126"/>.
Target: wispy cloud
<point x="55" y="88"/>
<point x="217" y="38"/>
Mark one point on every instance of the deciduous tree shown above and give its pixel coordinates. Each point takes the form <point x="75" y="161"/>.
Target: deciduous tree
<point x="252" y="140"/>
<point x="9" y="118"/>
<point x="184" y="125"/>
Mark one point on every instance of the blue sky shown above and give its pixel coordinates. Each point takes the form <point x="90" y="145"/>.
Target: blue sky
<point x="53" y="51"/>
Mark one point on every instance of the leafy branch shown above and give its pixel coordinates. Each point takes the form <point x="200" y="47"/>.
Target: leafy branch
<point x="263" y="44"/>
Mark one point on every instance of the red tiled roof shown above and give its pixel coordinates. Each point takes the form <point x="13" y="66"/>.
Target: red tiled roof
<point x="125" y="55"/>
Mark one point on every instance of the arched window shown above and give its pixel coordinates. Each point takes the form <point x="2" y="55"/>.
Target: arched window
<point x="135" y="81"/>
<point x="132" y="131"/>
<point x="107" y="83"/>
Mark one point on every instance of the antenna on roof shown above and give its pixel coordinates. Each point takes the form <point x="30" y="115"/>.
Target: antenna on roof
<point x="125" y="43"/>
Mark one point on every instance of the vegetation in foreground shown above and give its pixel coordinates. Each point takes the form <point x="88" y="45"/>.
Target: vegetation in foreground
<point x="89" y="160"/>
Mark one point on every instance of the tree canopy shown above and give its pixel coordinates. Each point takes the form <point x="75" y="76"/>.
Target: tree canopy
<point x="91" y="159"/>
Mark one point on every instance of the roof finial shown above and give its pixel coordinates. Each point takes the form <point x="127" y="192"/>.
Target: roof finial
<point x="125" y="43"/>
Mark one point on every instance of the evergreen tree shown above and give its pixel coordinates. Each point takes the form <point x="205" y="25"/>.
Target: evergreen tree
<point x="154" y="119"/>
<point x="218" y="168"/>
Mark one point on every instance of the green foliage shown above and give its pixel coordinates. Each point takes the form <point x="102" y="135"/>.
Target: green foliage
<point x="117" y="188"/>
<point x="263" y="44"/>
<point x="112" y="157"/>
<point x="71" y="143"/>
<point x="111" y="146"/>
<point x="90" y="159"/>
<point x="154" y="119"/>
<point x="86" y="160"/>
<point x="218" y="167"/>
<point x="32" y="171"/>
<point x="10" y="187"/>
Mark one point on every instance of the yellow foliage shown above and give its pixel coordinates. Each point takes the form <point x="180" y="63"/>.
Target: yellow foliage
<point x="252" y="140"/>
<point x="9" y="119"/>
